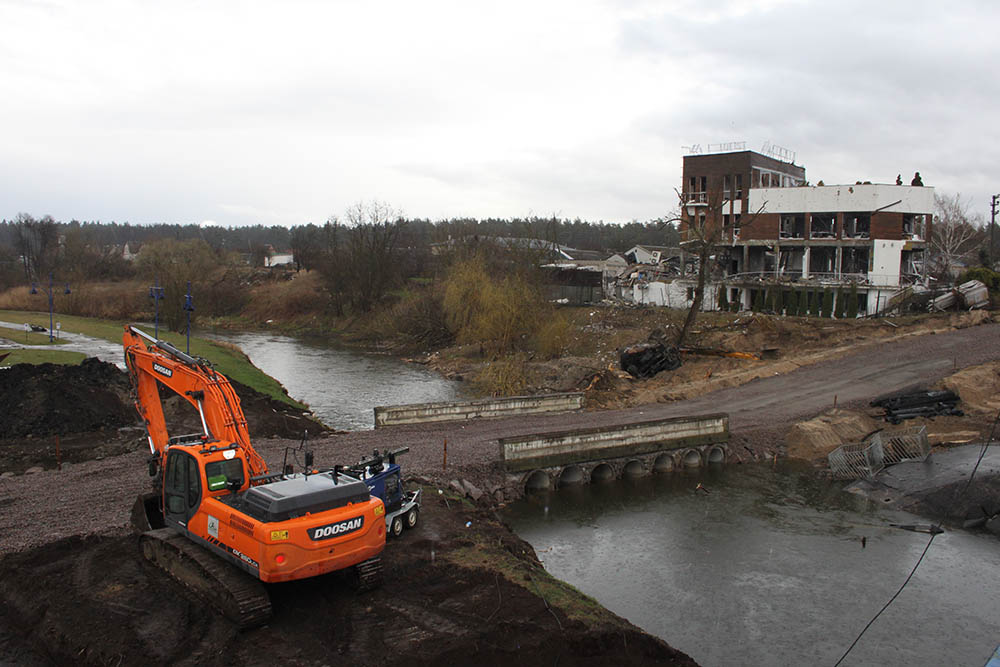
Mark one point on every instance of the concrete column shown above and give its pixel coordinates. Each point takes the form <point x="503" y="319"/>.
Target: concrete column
<point x="805" y="262"/>
<point x="840" y="255"/>
<point x="746" y="260"/>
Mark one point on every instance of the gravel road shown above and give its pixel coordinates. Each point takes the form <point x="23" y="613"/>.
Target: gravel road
<point x="96" y="496"/>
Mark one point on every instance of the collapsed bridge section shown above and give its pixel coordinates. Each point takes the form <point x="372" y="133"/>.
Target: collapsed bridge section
<point x="543" y="460"/>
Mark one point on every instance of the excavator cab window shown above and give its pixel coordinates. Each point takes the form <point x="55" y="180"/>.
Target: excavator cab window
<point x="224" y="474"/>
<point x="182" y="486"/>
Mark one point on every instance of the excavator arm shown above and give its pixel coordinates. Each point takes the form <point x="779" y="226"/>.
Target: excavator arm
<point x="160" y="363"/>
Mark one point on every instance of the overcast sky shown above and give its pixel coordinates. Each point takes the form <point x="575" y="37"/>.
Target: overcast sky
<point x="289" y="112"/>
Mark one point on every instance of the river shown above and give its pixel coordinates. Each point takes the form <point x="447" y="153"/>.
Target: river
<point x="342" y="386"/>
<point x="768" y="568"/>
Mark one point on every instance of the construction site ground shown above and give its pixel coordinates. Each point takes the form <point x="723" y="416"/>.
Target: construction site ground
<point x="453" y="593"/>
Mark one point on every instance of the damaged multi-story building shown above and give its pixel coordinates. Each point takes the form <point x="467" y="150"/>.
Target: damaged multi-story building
<point x="770" y="230"/>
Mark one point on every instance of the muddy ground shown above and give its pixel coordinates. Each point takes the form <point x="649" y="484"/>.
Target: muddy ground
<point x="591" y="363"/>
<point x="453" y="594"/>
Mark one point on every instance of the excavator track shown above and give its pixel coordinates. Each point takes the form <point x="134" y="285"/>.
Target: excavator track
<point x="234" y="593"/>
<point x="368" y="575"/>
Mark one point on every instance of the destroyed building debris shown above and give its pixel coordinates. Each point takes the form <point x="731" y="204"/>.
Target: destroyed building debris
<point x="644" y="360"/>
<point x="919" y="403"/>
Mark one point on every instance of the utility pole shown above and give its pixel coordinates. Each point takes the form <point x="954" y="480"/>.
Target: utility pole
<point x="993" y="224"/>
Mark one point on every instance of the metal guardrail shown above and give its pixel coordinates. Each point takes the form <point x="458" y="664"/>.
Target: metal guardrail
<point x="867" y="459"/>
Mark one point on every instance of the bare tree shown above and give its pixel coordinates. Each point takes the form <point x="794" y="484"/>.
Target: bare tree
<point x="361" y="262"/>
<point x="37" y="242"/>
<point x="703" y="231"/>
<point x="955" y="235"/>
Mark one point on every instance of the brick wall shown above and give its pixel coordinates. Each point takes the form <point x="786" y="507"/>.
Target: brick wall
<point x="887" y="226"/>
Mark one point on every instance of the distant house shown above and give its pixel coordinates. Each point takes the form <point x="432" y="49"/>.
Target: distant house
<point x="275" y="258"/>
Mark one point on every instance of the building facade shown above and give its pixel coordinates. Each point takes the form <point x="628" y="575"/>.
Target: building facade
<point x="771" y="231"/>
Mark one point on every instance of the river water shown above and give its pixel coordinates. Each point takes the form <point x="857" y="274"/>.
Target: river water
<point x="768" y="568"/>
<point x="342" y="386"/>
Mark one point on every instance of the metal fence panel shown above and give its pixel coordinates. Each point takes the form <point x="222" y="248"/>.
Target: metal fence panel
<point x="908" y="444"/>
<point x="866" y="459"/>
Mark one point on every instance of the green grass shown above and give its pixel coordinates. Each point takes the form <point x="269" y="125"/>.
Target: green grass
<point x="42" y="357"/>
<point x="30" y="338"/>
<point x="227" y="359"/>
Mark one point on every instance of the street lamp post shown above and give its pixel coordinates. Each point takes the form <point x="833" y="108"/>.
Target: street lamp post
<point x="156" y="293"/>
<point x="993" y="224"/>
<point x="188" y="306"/>
<point x="50" y="293"/>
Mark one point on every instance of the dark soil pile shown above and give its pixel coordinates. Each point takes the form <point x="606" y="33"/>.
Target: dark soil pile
<point x="53" y="399"/>
<point x="453" y="594"/>
<point x="54" y="414"/>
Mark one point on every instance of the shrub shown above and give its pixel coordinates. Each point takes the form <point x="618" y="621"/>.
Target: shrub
<point x="852" y="302"/>
<point x="758" y="301"/>
<point x="503" y="377"/>
<point x="552" y="337"/>
<point x="498" y="313"/>
<point x="793" y="303"/>
<point x="841" y="306"/>
<point x="723" y="300"/>
<point x="984" y="275"/>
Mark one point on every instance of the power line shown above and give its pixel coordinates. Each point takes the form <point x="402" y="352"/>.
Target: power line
<point x="891" y="600"/>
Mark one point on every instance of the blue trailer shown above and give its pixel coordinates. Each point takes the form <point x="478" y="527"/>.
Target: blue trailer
<point x="384" y="479"/>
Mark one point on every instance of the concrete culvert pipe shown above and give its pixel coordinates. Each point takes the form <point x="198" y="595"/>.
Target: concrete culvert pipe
<point x="537" y="481"/>
<point x="571" y="475"/>
<point x="692" y="458"/>
<point x="602" y="473"/>
<point x="663" y="463"/>
<point x="634" y="469"/>
<point x="716" y="455"/>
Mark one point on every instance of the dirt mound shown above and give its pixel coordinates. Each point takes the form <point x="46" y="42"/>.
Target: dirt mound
<point x="54" y="414"/>
<point x="52" y="399"/>
<point x="817" y="437"/>
<point x="978" y="387"/>
<point x="460" y="587"/>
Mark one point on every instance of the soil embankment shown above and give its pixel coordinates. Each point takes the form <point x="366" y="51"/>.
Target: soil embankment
<point x="55" y="414"/>
<point x="459" y="588"/>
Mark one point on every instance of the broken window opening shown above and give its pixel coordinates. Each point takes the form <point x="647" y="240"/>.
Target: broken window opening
<point x="857" y="225"/>
<point x="793" y="226"/>
<point x="913" y="226"/>
<point x="725" y="187"/>
<point x="739" y="186"/>
<point x="854" y="261"/>
<point x="823" y="259"/>
<point x="823" y="226"/>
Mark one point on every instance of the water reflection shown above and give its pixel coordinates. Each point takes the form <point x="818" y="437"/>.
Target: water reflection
<point x="342" y="386"/>
<point x="767" y="568"/>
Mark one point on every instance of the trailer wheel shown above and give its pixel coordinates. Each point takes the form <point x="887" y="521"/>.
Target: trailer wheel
<point x="411" y="518"/>
<point x="396" y="526"/>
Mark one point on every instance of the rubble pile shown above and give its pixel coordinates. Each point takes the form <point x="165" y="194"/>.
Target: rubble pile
<point x="919" y="403"/>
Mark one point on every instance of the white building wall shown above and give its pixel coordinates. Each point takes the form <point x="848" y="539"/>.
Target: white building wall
<point x="886" y="257"/>
<point x="843" y="198"/>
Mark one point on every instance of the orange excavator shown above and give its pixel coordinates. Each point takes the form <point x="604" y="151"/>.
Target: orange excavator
<point x="215" y="500"/>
